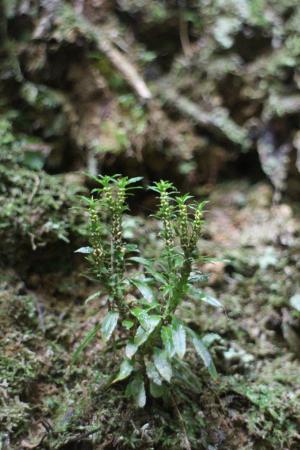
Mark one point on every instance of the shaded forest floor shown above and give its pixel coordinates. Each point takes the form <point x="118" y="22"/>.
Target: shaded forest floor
<point x="47" y="403"/>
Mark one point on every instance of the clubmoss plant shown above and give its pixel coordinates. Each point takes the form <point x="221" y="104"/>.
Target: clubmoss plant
<point x="143" y="295"/>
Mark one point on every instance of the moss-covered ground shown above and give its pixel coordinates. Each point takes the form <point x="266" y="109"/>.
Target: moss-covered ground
<point x="48" y="403"/>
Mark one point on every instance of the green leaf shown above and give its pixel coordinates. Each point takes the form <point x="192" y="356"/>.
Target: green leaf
<point x="212" y="301"/>
<point x="201" y="205"/>
<point x="142" y="317"/>
<point x="162" y="364"/>
<point x="168" y="289"/>
<point x="109" y="324"/>
<point x="179" y="338"/>
<point x="205" y="356"/>
<point x="92" y="296"/>
<point x="144" y="289"/>
<point x="134" y="180"/>
<point x="86" y="341"/>
<point x="125" y="370"/>
<point x="156" y="275"/>
<point x="148" y="322"/>
<point x="131" y="349"/>
<point x="136" y="390"/>
<point x="198" y="294"/>
<point x="157" y="391"/>
<point x="152" y="373"/>
<point x="152" y="322"/>
<point x="140" y="260"/>
<point x="128" y="324"/>
<point x="206" y="259"/>
<point x="84" y="250"/>
<point x="167" y="339"/>
<point x="141" y="336"/>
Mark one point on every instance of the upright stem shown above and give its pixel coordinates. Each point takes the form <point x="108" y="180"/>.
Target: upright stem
<point x="117" y="258"/>
<point x="181" y="286"/>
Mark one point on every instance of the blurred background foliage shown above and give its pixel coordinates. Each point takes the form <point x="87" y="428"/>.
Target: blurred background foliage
<point x="193" y="90"/>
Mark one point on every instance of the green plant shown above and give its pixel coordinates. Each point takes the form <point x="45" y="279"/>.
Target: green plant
<point x="143" y="301"/>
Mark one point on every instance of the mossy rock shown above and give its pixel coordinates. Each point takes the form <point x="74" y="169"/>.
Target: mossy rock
<point x="37" y="208"/>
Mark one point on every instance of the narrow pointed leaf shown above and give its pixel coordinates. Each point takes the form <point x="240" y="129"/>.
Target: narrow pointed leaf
<point x="109" y="324"/>
<point x="144" y="289"/>
<point x="156" y="275"/>
<point x="134" y="180"/>
<point x="147" y="322"/>
<point x="212" y="301"/>
<point x="167" y="339"/>
<point x="136" y="390"/>
<point x="179" y="339"/>
<point x="140" y="397"/>
<point x="152" y="322"/>
<point x="205" y="356"/>
<point x="86" y="341"/>
<point x="142" y="317"/>
<point x="84" y="250"/>
<point x="140" y="260"/>
<point x="141" y="336"/>
<point x="125" y="370"/>
<point x="152" y="373"/>
<point x="162" y="364"/>
<point x="198" y="294"/>
<point x="130" y="349"/>
<point x="92" y="296"/>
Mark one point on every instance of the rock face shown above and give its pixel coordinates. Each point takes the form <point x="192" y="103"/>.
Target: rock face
<point x="207" y="90"/>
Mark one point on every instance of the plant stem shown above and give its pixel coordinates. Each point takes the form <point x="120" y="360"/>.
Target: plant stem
<point x="181" y="286"/>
